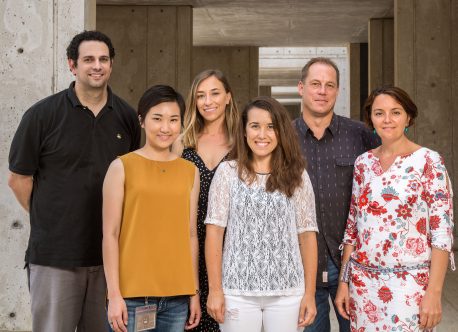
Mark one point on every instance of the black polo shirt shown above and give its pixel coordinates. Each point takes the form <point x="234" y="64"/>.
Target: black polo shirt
<point x="67" y="150"/>
<point x="330" y="163"/>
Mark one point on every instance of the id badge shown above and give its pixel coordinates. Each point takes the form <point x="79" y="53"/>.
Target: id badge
<point x="145" y="317"/>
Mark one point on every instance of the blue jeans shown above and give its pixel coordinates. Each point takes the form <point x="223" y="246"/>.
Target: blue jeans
<point x="322" y="322"/>
<point x="171" y="312"/>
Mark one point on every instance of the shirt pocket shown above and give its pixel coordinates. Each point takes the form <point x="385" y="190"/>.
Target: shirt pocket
<point x="344" y="171"/>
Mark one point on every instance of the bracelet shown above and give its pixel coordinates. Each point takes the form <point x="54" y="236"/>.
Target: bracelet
<point x="345" y="275"/>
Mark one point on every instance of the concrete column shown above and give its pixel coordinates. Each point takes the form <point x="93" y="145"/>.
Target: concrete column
<point x="239" y="64"/>
<point x="426" y="66"/>
<point x="265" y="90"/>
<point x="358" y="79"/>
<point x="381" y="52"/>
<point x="33" y="65"/>
<point x="153" y="46"/>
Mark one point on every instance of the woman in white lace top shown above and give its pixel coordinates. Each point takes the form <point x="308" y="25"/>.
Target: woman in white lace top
<point x="262" y="204"/>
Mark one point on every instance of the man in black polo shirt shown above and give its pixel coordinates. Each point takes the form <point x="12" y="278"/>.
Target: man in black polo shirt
<point x="330" y="143"/>
<point x="58" y="159"/>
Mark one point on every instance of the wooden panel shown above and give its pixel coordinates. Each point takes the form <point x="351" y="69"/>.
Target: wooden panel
<point x="126" y="26"/>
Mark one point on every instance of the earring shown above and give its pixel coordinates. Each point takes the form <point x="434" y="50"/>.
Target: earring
<point x="375" y="133"/>
<point x="406" y="129"/>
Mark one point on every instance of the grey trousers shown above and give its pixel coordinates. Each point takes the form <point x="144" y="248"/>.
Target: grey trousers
<point x="65" y="300"/>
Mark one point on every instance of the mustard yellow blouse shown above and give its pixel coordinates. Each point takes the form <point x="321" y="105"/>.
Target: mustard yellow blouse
<point x="154" y="242"/>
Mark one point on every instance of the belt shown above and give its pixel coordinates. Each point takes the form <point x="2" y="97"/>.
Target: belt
<point x="383" y="270"/>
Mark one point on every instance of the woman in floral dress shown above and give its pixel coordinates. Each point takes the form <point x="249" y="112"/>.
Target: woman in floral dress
<point x="400" y="228"/>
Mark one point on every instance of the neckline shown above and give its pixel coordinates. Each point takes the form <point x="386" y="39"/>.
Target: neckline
<point x="154" y="160"/>
<point x="205" y="165"/>
<point x="395" y="159"/>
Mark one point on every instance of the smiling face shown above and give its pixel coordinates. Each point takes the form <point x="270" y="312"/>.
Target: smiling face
<point x="162" y="125"/>
<point x="93" y="66"/>
<point x="212" y="99"/>
<point x="260" y="134"/>
<point x="388" y="118"/>
<point x="319" y="90"/>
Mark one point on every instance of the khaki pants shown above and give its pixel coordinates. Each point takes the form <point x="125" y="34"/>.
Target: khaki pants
<point x="65" y="300"/>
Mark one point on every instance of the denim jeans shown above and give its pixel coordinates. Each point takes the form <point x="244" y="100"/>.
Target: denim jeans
<point x="322" y="322"/>
<point x="171" y="312"/>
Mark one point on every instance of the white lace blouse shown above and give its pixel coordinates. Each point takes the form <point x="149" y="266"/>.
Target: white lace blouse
<point x="261" y="254"/>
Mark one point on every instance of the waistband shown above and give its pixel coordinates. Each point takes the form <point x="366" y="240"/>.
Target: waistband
<point x="383" y="270"/>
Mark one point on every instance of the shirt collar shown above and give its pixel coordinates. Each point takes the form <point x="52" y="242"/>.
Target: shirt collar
<point x="333" y="127"/>
<point x="75" y="101"/>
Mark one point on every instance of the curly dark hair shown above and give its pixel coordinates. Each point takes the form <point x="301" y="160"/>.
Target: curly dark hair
<point x="87" y="35"/>
<point x="287" y="163"/>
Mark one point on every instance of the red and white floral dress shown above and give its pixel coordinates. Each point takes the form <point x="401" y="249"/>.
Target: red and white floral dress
<point x="395" y="218"/>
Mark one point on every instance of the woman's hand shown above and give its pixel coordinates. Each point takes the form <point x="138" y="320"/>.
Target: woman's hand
<point x="307" y="311"/>
<point x="430" y="310"/>
<point x="195" y="313"/>
<point x="117" y="314"/>
<point x="215" y="305"/>
<point x="342" y="300"/>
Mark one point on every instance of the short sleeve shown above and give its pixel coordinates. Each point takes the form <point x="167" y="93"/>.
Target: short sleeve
<point x="26" y="145"/>
<point x="351" y="230"/>
<point x="438" y="195"/>
<point x="219" y="195"/>
<point x="304" y="204"/>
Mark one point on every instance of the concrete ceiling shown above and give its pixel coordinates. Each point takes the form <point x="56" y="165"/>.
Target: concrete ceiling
<point x="280" y="23"/>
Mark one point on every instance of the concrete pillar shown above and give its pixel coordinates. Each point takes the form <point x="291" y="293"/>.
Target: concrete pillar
<point x="153" y="46"/>
<point x="33" y="65"/>
<point x="239" y="64"/>
<point x="355" y="80"/>
<point x="381" y="52"/>
<point x="426" y="66"/>
<point x="265" y="90"/>
<point x="358" y="78"/>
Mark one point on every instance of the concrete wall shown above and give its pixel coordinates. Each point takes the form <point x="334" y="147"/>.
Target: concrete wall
<point x="153" y="46"/>
<point x="33" y="65"/>
<point x="381" y="52"/>
<point x="426" y="66"/>
<point x="239" y="64"/>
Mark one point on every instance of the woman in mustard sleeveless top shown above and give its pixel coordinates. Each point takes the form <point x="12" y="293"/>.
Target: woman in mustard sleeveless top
<point x="150" y="249"/>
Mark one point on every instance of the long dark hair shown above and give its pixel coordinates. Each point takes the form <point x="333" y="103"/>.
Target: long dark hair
<point x="287" y="163"/>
